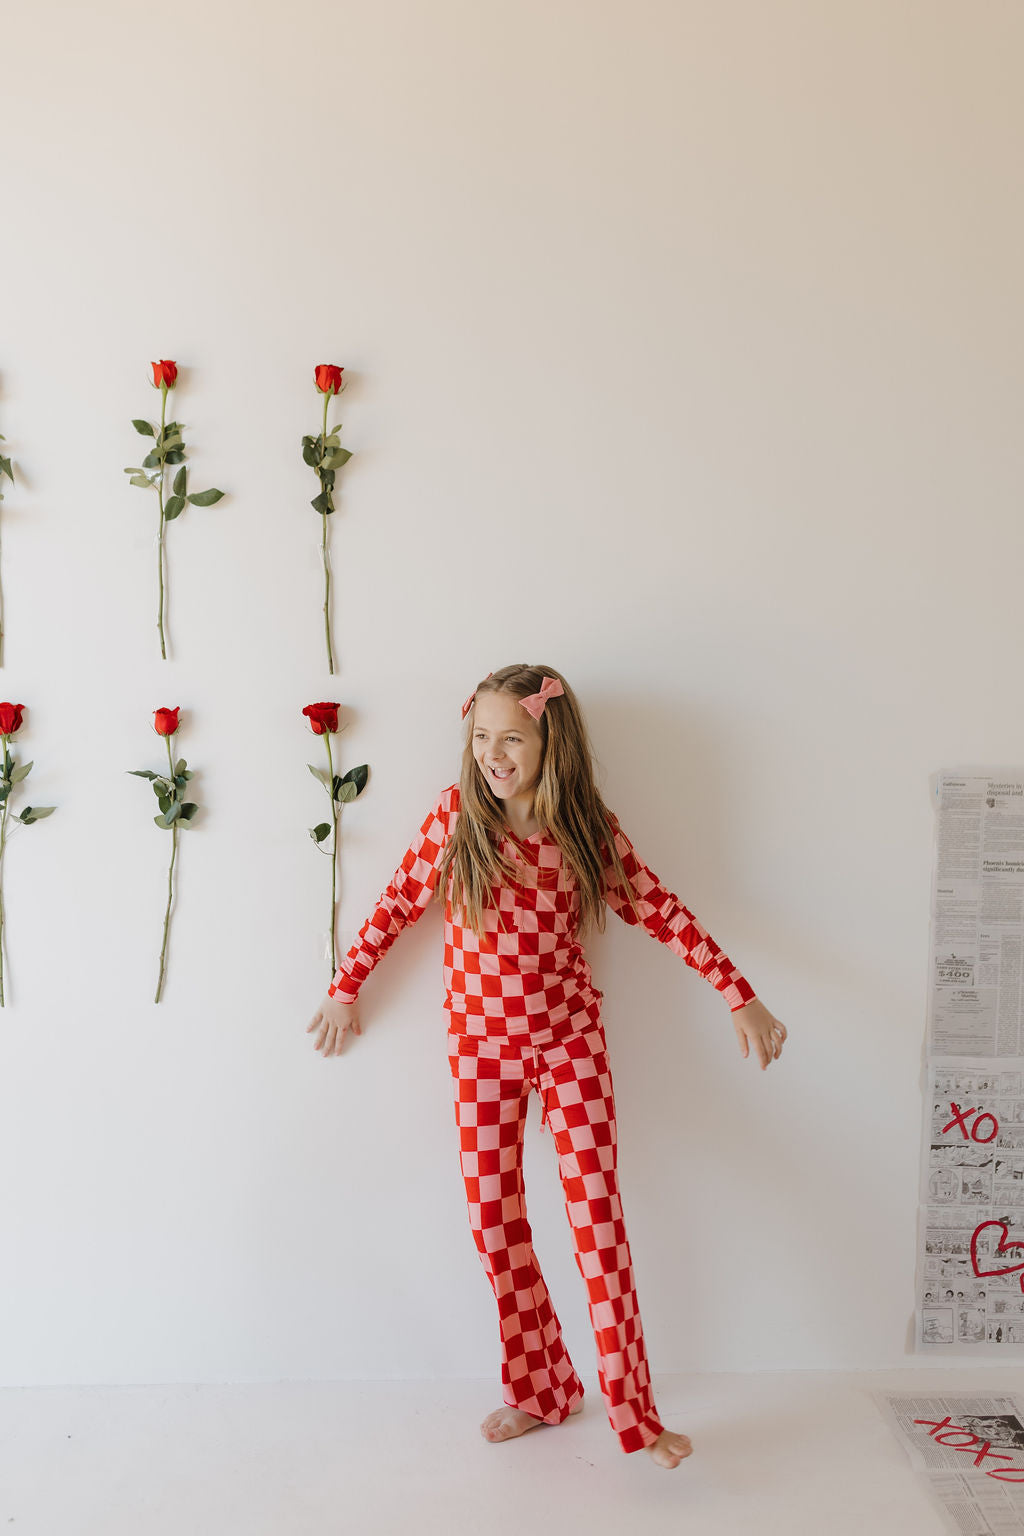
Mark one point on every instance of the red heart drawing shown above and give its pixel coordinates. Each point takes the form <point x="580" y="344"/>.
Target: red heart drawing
<point x="1001" y="1247"/>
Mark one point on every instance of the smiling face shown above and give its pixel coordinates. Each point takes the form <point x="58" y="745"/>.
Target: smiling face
<point x="508" y="747"/>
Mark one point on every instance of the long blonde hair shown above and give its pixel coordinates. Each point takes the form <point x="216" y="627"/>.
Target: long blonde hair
<point x="566" y="805"/>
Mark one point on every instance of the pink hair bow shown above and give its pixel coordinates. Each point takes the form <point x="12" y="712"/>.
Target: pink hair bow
<point x="534" y="704"/>
<point x="469" y="702"/>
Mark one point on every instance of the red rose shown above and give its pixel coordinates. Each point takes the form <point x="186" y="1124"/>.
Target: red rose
<point x="322" y="717"/>
<point x="10" y="718"/>
<point x="328" y="378"/>
<point x="164" y="372"/>
<point x="166" y="719"/>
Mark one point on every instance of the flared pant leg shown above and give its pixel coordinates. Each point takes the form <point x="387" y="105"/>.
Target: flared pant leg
<point x="491" y="1092"/>
<point x="493" y="1079"/>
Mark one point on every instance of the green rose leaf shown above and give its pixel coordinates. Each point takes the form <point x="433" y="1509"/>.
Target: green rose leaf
<point x="309" y="453"/>
<point x="21" y="773"/>
<point x="151" y="461"/>
<point x="320" y="831"/>
<point x="141" y="480"/>
<point x="36" y="813"/>
<point x="172" y="506"/>
<point x="358" y="777"/>
<point x="143" y="427"/>
<point x="205" y="498"/>
<point x="336" y="460"/>
<point x="322" y="503"/>
<point x="5" y="467"/>
<point x="347" y="792"/>
<point x="172" y="813"/>
<point x="174" y="456"/>
<point x="180" y="765"/>
<point x="141" y="773"/>
<point x="188" y="810"/>
<point x="319" y="773"/>
<point x="179" y="481"/>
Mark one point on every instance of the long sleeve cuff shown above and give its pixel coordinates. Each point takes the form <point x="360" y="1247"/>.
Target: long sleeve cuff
<point x="344" y="986"/>
<point x="738" y="993"/>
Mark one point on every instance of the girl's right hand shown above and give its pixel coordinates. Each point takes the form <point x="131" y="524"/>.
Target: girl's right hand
<point x="334" y="1019"/>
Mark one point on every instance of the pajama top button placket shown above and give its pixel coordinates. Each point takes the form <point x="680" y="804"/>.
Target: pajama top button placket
<point x="516" y="907"/>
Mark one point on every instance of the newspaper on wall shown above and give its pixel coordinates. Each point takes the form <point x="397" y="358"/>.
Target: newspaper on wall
<point x="969" y="1449"/>
<point x="970" y="1275"/>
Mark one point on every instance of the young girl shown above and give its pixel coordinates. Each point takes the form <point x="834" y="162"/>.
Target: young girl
<point x="526" y="854"/>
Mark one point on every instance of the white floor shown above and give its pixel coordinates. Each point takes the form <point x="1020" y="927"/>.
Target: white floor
<point x="794" y="1454"/>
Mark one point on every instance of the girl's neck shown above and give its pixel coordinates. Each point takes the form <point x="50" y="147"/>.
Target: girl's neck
<point x="520" y="817"/>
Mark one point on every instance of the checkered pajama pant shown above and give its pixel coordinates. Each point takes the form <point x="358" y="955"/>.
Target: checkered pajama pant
<point x="492" y="1080"/>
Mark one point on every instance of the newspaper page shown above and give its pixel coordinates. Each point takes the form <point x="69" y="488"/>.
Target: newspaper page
<point x="977" y="916"/>
<point x="970" y="1273"/>
<point x="969" y="1449"/>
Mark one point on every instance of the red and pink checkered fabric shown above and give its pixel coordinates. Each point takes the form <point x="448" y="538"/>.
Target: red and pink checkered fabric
<point x="524" y="1014"/>
<point x="529" y="964"/>
<point x="492" y="1082"/>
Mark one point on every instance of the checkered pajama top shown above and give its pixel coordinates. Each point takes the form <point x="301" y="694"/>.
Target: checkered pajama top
<point x="529" y="963"/>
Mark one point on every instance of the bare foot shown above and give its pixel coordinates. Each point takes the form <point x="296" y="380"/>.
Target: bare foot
<point x="668" y="1450"/>
<point x="505" y="1423"/>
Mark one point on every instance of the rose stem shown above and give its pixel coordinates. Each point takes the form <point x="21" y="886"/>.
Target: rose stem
<point x="3" y="841"/>
<point x="170" y="876"/>
<point x="160" y="493"/>
<point x="323" y="551"/>
<point x="334" y="849"/>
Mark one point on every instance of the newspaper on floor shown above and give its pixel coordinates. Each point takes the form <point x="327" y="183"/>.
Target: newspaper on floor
<point x="970" y="1273"/>
<point x="969" y="1449"/>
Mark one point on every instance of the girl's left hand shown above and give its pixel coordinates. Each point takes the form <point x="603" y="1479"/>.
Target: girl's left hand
<point x="755" y="1026"/>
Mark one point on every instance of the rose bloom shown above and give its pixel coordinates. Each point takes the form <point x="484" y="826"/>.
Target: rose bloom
<point x="166" y="720"/>
<point x="322" y="717"/>
<point x="328" y="378"/>
<point x="10" y="718"/>
<point x="164" y="372"/>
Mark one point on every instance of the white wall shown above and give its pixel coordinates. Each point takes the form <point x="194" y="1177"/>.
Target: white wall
<point x="685" y="353"/>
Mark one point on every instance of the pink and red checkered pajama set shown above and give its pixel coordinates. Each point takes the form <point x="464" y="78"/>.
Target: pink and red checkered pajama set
<point x="523" y="1013"/>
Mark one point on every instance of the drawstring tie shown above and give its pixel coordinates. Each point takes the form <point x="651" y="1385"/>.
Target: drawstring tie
<point x="540" y="1091"/>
